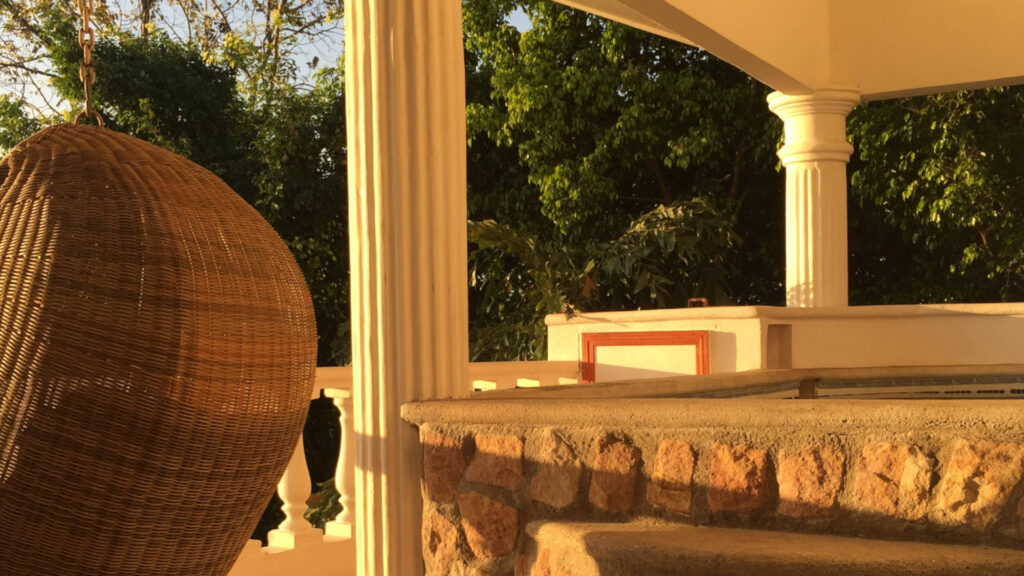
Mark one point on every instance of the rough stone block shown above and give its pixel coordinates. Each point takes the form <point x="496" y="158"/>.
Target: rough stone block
<point x="522" y="566"/>
<point x="977" y="482"/>
<point x="894" y="480"/>
<point x="670" y="486"/>
<point x="443" y="464"/>
<point x="542" y="567"/>
<point x="809" y="481"/>
<point x="498" y="461"/>
<point x="738" y="476"/>
<point x="616" y="463"/>
<point x="490" y="526"/>
<point x="557" y="480"/>
<point x="440" y="537"/>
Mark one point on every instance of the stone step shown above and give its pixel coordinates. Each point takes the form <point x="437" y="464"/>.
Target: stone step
<point x="650" y="549"/>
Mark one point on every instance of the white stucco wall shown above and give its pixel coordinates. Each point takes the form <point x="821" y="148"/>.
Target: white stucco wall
<point x="848" y="337"/>
<point x="735" y="337"/>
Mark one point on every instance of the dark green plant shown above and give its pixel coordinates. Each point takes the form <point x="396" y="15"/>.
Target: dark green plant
<point x="665" y="256"/>
<point x="324" y="505"/>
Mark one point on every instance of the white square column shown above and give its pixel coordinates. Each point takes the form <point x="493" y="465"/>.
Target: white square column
<point x="406" y="115"/>
<point x="815" y="156"/>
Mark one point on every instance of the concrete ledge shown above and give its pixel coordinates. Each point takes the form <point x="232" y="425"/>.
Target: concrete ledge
<point x="995" y="420"/>
<point x="755" y="382"/>
<point x="787" y="313"/>
<point x="647" y="549"/>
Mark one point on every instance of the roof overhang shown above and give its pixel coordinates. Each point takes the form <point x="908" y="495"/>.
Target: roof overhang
<point x="881" y="48"/>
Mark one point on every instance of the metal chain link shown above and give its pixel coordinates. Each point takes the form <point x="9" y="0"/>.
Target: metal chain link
<point x="86" y="71"/>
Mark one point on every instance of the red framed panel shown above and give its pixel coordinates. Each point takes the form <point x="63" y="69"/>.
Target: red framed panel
<point x="591" y="340"/>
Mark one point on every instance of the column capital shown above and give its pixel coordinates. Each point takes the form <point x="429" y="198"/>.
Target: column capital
<point x="815" y="124"/>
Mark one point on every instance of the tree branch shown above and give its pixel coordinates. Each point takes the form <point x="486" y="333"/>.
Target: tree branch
<point x="17" y="16"/>
<point x="29" y="69"/>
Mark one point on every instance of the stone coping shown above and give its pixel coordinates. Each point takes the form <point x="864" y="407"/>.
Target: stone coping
<point x="756" y="382"/>
<point x="787" y="313"/>
<point x="995" y="420"/>
<point x="590" y="549"/>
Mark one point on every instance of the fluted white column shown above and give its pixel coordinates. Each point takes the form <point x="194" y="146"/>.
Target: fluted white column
<point x="405" y="90"/>
<point x="815" y="156"/>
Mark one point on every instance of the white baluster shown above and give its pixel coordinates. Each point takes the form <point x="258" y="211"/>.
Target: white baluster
<point x="344" y="474"/>
<point x="527" y="382"/>
<point x="294" y="489"/>
<point x="481" y="385"/>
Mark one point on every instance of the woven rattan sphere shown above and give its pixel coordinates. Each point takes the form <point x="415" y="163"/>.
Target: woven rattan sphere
<point x="157" y="354"/>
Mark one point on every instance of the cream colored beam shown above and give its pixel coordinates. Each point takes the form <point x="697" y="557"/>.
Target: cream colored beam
<point x="780" y="43"/>
<point x="626" y="14"/>
<point x="883" y="48"/>
<point x="815" y="157"/>
<point x="405" y="90"/>
<point x="890" y="48"/>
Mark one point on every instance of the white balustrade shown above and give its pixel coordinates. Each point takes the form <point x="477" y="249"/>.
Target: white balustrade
<point x="296" y="546"/>
<point x="505" y="375"/>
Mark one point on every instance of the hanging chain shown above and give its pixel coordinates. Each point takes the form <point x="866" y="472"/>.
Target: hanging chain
<point x="86" y="72"/>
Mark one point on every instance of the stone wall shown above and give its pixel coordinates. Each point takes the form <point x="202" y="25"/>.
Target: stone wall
<point x="483" y="482"/>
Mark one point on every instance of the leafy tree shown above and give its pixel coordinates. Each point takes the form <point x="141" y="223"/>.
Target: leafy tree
<point x="941" y="176"/>
<point x="666" y="256"/>
<point x="583" y="133"/>
<point x="15" y="124"/>
<point x="610" y="121"/>
<point x="164" y="93"/>
<point x="263" y="41"/>
<point x="27" y="30"/>
<point x="300" y="185"/>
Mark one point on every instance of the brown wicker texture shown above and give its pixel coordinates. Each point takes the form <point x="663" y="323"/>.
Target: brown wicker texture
<point x="157" y="354"/>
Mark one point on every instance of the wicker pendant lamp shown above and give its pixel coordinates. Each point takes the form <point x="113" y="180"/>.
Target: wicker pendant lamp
<point x="157" y="354"/>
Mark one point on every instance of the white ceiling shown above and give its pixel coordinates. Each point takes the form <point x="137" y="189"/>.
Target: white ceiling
<point x="882" y="48"/>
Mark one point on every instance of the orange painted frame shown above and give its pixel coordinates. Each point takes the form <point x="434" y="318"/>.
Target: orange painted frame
<point x="591" y="340"/>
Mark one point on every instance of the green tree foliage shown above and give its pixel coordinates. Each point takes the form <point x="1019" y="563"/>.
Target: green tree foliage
<point x="15" y="124"/>
<point x="941" y="177"/>
<point x="301" y="183"/>
<point x="611" y="121"/>
<point x="163" y="92"/>
<point x="665" y="257"/>
<point x="586" y="135"/>
<point x="24" y="52"/>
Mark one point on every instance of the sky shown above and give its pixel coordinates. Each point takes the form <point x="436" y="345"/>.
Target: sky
<point x="520" y="20"/>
